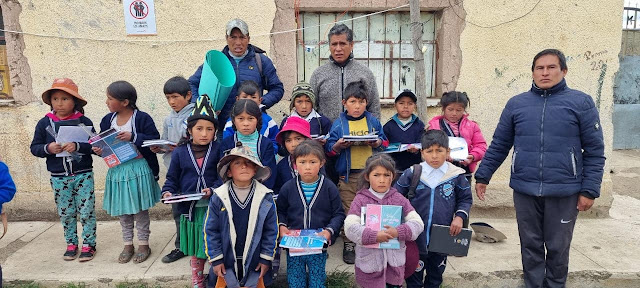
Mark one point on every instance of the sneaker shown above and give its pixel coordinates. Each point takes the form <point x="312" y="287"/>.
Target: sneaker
<point x="71" y="253"/>
<point x="349" y="253"/>
<point x="87" y="253"/>
<point x="173" y="256"/>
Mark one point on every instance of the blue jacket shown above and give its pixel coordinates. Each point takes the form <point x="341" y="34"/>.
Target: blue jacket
<point x="143" y="129"/>
<point x="340" y="128"/>
<point x="324" y="211"/>
<point x="558" y="147"/>
<point x="269" y="129"/>
<point x="438" y="205"/>
<point x="262" y="234"/>
<point x="7" y="187"/>
<point x="184" y="176"/>
<point x="247" y="69"/>
<point x="58" y="166"/>
<point x="266" y="155"/>
<point x="404" y="134"/>
<point x="286" y="173"/>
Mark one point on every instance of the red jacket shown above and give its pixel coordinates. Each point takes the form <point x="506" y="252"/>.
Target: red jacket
<point x="470" y="131"/>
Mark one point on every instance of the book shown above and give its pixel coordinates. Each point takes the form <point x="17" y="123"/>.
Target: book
<point x="182" y="198"/>
<point x="114" y="151"/>
<point x="399" y="147"/>
<point x="361" y="138"/>
<point x="68" y="134"/>
<point x="165" y="145"/>
<point x="303" y="242"/>
<point x="377" y="216"/>
<point x="459" y="148"/>
<point x="442" y="242"/>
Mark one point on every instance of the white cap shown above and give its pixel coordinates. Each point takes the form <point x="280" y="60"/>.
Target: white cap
<point x="237" y="23"/>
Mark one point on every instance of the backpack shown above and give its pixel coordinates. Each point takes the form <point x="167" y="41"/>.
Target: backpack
<point x="259" y="65"/>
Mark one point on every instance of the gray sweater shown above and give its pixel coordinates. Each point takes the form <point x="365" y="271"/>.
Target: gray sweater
<point x="329" y="80"/>
<point x="174" y="128"/>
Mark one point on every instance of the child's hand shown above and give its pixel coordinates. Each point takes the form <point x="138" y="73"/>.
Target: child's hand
<point x="262" y="268"/>
<point x="219" y="270"/>
<point x="449" y="159"/>
<point x="322" y="141"/>
<point x="375" y="144"/>
<point x="207" y="193"/>
<point x="155" y="149"/>
<point x="467" y="161"/>
<point x="456" y="226"/>
<point x="54" y="148"/>
<point x="166" y="194"/>
<point x="326" y="234"/>
<point x="391" y="231"/>
<point x="283" y="230"/>
<point x="124" y="136"/>
<point x="69" y="147"/>
<point x="340" y="145"/>
<point x="413" y="150"/>
<point x="383" y="236"/>
<point x="97" y="150"/>
<point x="171" y="147"/>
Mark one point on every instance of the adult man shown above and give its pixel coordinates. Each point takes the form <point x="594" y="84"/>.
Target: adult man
<point x="250" y="63"/>
<point x="556" y="166"/>
<point x="329" y="80"/>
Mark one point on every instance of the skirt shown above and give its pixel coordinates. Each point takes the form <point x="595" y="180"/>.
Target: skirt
<point x="192" y="233"/>
<point x="130" y="188"/>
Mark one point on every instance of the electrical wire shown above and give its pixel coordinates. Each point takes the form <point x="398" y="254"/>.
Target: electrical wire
<point x="491" y="26"/>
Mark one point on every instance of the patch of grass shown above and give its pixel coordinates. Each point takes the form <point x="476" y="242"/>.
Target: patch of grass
<point x="340" y="279"/>
<point x="71" y="285"/>
<point x="22" y="284"/>
<point x="136" y="285"/>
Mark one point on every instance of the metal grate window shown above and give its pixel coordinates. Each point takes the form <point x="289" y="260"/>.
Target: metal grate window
<point x="5" y="85"/>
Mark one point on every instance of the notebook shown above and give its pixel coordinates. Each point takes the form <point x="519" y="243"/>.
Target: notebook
<point x="442" y="242"/>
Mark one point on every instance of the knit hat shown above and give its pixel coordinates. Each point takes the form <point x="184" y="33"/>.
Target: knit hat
<point x="486" y="233"/>
<point x="406" y="93"/>
<point x="237" y="23"/>
<point x="203" y="110"/>
<point x="66" y="85"/>
<point x="302" y="88"/>
<point x="296" y="124"/>
<point x="262" y="172"/>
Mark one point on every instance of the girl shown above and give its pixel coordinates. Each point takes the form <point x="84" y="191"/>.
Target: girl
<point x="246" y="116"/>
<point x="71" y="177"/>
<point x="241" y="225"/>
<point x="309" y="201"/>
<point x="375" y="267"/>
<point x="193" y="170"/>
<point x="131" y="187"/>
<point x="455" y="122"/>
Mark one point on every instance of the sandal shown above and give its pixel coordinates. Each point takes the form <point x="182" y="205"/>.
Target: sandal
<point x="143" y="255"/>
<point x="126" y="254"/>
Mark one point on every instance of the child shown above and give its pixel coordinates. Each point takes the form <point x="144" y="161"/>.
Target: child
<point x="246" y="117"/>
<point x="442" y="194"/>
<point x="250" y="90"/>
<point x="303" y="103"/>
<point x="455" y="122"/>
<point x="309" y="201"/>
<point x="193" y="170"/>
<point x="7" y="190"/>
<point x="71" y="180"/>
<point x="380" y="267"/>
<point x="131" y="187"/>
<point x="241" y="226"/>
<point x="351" y="156"/>
<point x="178" y="94"/>
<point x="405" y="128"/>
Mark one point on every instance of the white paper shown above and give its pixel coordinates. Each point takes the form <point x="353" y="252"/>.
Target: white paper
<point x="459" y="149"/>
<point x="68" y="134"/>
<point x="140" y="17"/>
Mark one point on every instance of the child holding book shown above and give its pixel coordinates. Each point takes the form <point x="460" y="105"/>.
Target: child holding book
<point x="443" y="196"/>
<point x="71" y="177"/>
<point x="405" y="128"/>
<point x="309" y="201"/>
<point x="131" y="187"/>
<point x="241" y="225"/>
<point x="351" y="156"/>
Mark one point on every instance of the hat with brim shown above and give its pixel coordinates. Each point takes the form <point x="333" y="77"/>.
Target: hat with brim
<point x="66" y="85"/>
<point x="486" y="233"/>
<point x="262" y="172"/>
<point x="295" y="124"/>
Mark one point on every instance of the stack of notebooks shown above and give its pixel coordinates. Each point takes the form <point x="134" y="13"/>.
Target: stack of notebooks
<point x="303" y="242"/>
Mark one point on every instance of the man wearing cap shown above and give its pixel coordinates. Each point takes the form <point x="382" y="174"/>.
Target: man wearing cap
<point x="556" y="166"/>
<point x="250" y="63"/>
<point x="330" y="79"/>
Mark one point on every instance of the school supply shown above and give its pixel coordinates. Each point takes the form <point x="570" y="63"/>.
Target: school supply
<point x="377" y="216"/>
<point x="459" y="148"/>
<point x="165" y="145"/>
<point x="361" y="138"/>
<point x="303" y="242"/>
<point x="442" y="242"/>
<point x="182" y="198"/>
<point x="399" y="147"/>
<point x="114" y="151"/>
<point x="68" y="134"/>
<point x="76" y="156"/>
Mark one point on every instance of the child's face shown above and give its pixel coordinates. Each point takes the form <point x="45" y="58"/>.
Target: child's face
<point x="177" y="101"/>
<point x="405" y="107"/>
<point x="203" y="132"/>
<point x="453" y="112"/>
<point x="355" y="107"/>
<point x="293" y="139"/>
<point x="62" y="103"/>
<point x="116" y="105"/>
<point x="308" y="167"/>
<point x="435" y="155"/>
<point x="303" y="105"/>
<point x="380" y="179"/>
<point x="245" y="124"/>
<point x="241" y="170"/>
<point x="254" y="97"/>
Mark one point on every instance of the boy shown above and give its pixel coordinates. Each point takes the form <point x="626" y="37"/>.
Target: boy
<point x="303" y="104"/>
<point x="443" y="193"/>
<point x="178" y="94"/>
<point x="351" y="156"/>
<point x="250" y="90"/>
<point x="405" y="128"/>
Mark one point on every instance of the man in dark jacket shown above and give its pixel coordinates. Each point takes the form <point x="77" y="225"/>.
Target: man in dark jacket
<point x="556" y="166"/>
<point x="250" y="63"/>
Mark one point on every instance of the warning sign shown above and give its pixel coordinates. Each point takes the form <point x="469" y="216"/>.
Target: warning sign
<point x="139" y="17"/>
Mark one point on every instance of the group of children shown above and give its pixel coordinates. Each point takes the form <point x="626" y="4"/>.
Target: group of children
<point x="249" y="199"/>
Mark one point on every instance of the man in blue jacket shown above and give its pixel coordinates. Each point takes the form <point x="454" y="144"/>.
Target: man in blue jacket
<point x="556" y="166"/>
<point x="250" y="63"/>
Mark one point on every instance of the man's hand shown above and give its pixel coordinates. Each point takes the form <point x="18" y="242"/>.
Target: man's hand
<point x="481" y="188"/>
<point x="584" y="203"/>
<point x="219" y="270"/>
<point x="262" y="268"/>
<point x="456" y="226"/>
<point x="54" y="148"/>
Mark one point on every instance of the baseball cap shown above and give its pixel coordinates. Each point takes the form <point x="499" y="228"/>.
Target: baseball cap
<point x="406" y="93"/>
<point x="237" y="23"/>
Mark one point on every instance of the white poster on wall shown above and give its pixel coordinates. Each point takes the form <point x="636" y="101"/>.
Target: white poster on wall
<point x="139" y="17"/>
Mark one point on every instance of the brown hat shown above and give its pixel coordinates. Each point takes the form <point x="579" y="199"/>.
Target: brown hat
<point x="66" y="85"/>
<point x="262" y="172"/>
